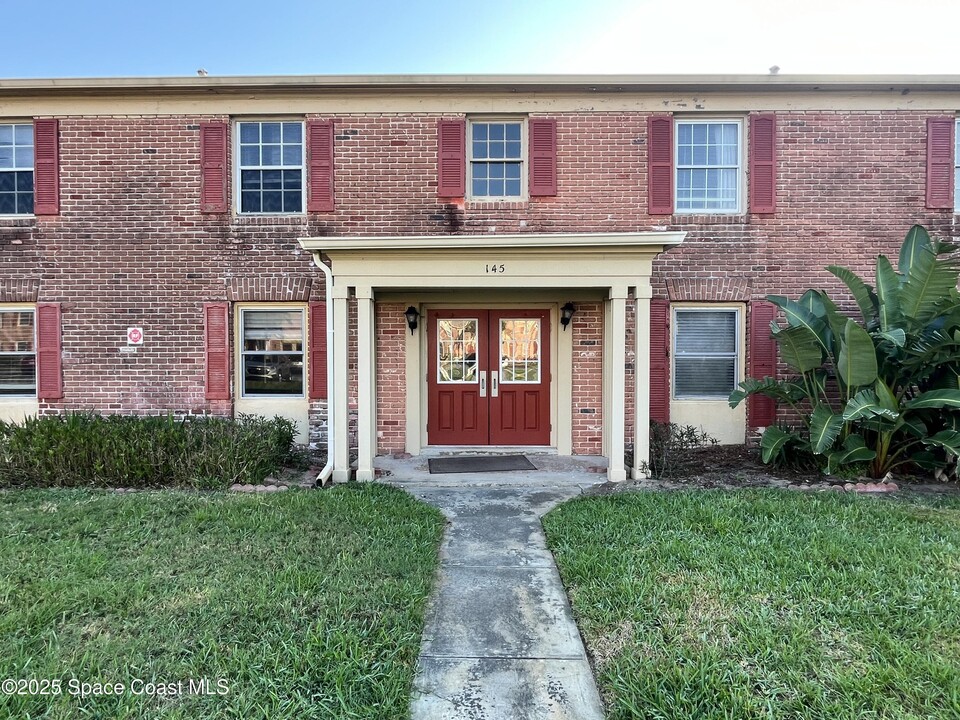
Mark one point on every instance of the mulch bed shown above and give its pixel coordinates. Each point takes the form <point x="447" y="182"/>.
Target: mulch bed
<point x="732" y="467"/>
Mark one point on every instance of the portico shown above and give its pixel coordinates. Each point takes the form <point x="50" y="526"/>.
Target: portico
<point x="490" y="335"/>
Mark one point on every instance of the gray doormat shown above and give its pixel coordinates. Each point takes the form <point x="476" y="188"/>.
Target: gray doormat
<point x="479" y="463"/>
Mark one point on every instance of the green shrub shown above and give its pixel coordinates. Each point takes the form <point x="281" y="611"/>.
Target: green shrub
<point x="85" y="449"/>
<point x="670" y="447"/>
<point x="884" y="391"/>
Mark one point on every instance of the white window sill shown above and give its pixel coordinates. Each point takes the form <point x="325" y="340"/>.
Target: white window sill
<point x="18" y="408"/>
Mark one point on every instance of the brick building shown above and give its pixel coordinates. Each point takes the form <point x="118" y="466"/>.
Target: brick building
<point x="465" y="261"/>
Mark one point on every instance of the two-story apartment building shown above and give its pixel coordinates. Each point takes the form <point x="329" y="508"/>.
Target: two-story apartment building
<point x="476" y="261"/>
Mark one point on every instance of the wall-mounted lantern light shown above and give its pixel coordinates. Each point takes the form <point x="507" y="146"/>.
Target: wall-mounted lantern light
<point x="566" y="313"/>
<point x="412" y="315"/>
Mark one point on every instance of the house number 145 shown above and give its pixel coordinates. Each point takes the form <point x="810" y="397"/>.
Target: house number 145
<point x="495" y="268"/>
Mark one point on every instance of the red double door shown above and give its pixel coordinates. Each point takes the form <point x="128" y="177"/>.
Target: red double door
<point x="488" y="377"/>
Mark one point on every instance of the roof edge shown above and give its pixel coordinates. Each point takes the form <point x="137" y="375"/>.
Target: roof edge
<point x="479" y="83"/>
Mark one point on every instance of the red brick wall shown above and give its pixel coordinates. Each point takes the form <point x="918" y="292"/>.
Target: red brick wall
<point x="130" y="246"/>
<point x="587" y="424"/>
<point x="391" y="377"/>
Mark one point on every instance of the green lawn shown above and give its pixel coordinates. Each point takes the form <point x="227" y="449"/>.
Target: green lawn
<point x="305" y="604"/>
<point x="766" y="604"/>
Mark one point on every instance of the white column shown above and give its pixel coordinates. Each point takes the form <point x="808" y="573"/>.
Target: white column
<point x="340" y="409"/>
<point x="415" y="381"/>
<point x="641" y="390"/>
<point x="614" y="411"/>
<point x="366" y="393"/>
<point x="564" y="386"/>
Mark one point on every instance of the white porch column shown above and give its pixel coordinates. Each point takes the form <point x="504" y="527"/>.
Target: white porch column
<point x="641" y="377"/>
<point x="340" y="407"/>
<point x="614" y="409"/>
<point x="366" y="391"/>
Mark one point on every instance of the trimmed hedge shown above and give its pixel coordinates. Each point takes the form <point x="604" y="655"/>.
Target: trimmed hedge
<point x="91" y="450"/>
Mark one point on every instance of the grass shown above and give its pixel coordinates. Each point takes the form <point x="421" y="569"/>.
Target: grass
<point x="305" y="604"/>
<point x="766" y="604"/>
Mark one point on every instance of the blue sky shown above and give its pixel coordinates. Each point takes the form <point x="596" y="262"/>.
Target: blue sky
<point x="93" y="38"/>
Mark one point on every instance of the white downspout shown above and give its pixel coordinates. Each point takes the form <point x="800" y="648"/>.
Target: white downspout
<point x="331" y="387"/>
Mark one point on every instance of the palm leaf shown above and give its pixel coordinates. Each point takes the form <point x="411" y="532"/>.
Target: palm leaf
<point x="812" y="300"/>
<point x="885" y="396"/>
<point x="888" y="293"/>
<point x="916" y="241"/>
<point x="859" y="289"/>
<point x="773" y="441"/>
<point x="864" y="405"/>
<point x="854" y="450"/>
<point x="896" y="336"/>
<point x="799" y="316"/>
<point x="769" y="387"/>
<point x="825" y="426"/>
<point x="857" y="364"/>
<point x="927" y="287"/>
<point x="799" y="348"/>
<point x="949" y="440"/>
<point x="926" y="460"/>
<point x="935" y="399"/>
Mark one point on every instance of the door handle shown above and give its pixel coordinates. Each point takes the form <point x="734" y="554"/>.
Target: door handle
<point x="483" y="383"/>
<point x="494" y="384"/>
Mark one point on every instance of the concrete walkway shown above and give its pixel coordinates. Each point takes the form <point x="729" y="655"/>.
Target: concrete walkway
<point x="500" y="642"/>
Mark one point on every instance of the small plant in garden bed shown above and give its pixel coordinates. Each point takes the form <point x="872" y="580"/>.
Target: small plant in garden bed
<point x="884" y="391"/>
<point x="671" y="446"/>
<point x="84" y="449"/>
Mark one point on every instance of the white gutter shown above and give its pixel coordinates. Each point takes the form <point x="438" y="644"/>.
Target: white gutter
<point x="331" y="387"/>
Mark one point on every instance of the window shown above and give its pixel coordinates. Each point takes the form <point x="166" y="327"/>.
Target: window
<point x="271" y="167"/>
<point x="18" y="356"/>
<point x="705" y="357"/>
<point x="708" y="166"/>
<point x="16" y="169"/>
<point x="495" y="157"/>
<point x="272" y="352"/>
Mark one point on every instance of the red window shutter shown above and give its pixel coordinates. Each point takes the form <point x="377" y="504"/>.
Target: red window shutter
<point x="763" y="163"/>
<point x="49" y="362"/>
<point x="46" y="167"/>
<point x="660" y="164"/>
<point x="940" y="152"/>
<point x="213" y="167"/>
<point x="318" y="351"/>
<point x="543" y="156"/>
<point x="216" y="318"/>
<point x="762" y="411"/>
<point x="320" y="170"/>
<point x="660" y="360"/>
<point x="451" y="158"/>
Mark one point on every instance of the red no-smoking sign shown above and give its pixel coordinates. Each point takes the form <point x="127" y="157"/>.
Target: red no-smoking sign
<point x="134" y="336"/>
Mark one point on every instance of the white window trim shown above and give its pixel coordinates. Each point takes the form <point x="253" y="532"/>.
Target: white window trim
<point x="21" y="308"/>
<point x="303" y="166"/>
<point x="739" y="355"/>
<point x="22" y="216"/>
<point x="524" y="159"/>
<point x="741" y="163"/>
<point x="240" y="352"/>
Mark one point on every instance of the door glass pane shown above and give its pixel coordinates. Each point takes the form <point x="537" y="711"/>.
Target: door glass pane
<point x="520" y="351"/>
<point x="457" y="348"/>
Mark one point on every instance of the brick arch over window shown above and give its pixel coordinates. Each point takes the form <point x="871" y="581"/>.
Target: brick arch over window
<point x="25" y="290"/>
<point x="269" y="288"/>
<point x="727" y="289"/>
